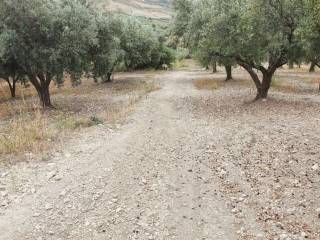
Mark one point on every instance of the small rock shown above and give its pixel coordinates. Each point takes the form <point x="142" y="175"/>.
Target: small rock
<point x="57" y="178"/>
<point x="51" y="174"/>
<point x="63" y="193"/>
<point x="315" y="167"/>
<point x="4" y="204"/>
<point x="4" y="193"/>
<point x="223" y="172"/>
<point x="3" y="175"/>
<point x="48" y="206"/>
<point x="36" y="214"/>
<point x="284" y="237"/>
<point x="144" y="181"/>
<point x="235" y="210"/>
<point x="304" y="235"/>
<point x="118" y="209"/>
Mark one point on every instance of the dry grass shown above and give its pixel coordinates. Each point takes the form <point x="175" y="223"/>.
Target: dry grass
<point x="281" y="86"/>
<point x="312" y="80"/>
<point x="207" y="84"/>
<point x="25" y="127"/>
<point x="134" y="91"/>
<point x="27" y="131"/>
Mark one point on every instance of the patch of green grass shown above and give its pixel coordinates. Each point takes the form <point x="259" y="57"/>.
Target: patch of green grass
<point x="74" y="122"/>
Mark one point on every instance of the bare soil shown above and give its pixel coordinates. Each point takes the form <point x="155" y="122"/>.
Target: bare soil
<point x="187" y="164"/>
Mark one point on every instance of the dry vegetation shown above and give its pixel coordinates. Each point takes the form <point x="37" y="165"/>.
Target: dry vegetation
<point x="25" y="127"/>
<point x="207" y="84"/>
<point x="298" y="81"/>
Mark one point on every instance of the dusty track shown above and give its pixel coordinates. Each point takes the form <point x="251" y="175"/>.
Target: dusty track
<point x="172" y="172"/>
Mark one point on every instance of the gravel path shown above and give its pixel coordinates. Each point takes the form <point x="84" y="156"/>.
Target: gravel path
<point x="188" y="165"/>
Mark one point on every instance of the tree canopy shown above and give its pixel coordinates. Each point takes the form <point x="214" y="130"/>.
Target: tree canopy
<point x="256" y="34"/>
<point x="45" y="39"/>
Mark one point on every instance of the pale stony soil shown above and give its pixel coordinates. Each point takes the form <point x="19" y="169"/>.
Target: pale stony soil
<point x="188" y="164"/>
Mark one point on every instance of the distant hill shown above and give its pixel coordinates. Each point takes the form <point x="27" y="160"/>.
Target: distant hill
<point x="154" y="9"/>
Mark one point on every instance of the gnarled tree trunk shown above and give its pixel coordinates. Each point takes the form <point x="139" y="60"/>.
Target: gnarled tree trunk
<point x="313" y="67"/>
<point x="262" y="86"/>
<point x="13" y="89"/>
<point x="44" y="95"/>
<point x="229" y="72"/>
<point x="214" y="67"/>
<point x="12" y="86"/>
<point x="265" y="86"/>
<point x="41" y="82"/>
<point x="107" y="78"/>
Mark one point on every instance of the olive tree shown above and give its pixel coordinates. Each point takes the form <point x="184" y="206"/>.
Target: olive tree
<point x="258" y="35"/>
<point x="190" y="24"/>
<point x="265" y="36"/>
<point x="183" y="10"/>
<point x="310" y="34"/>
<point x="106" y="53"/>
<point x="141" y="46"/>
<point x="10" y="70"/>
<point x="49" y="38"/>
<point x="11" y="73"/>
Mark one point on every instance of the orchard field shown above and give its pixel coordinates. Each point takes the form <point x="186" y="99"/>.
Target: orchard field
<point x="120" y="125"/>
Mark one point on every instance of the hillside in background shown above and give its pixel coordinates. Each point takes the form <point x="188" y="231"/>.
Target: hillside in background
<point x="154" y="9"/>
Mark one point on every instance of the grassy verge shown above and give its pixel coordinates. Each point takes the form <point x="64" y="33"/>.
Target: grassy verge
<point x="25" y="127"/>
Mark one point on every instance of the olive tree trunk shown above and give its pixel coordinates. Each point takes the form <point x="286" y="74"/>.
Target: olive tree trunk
<point x="44" y="95"/>
<point x="291" y="65"/>
<point x="107" y="78"/>
<point x="12" y="81"/>
<point x="229" y="72"/>
<point x="12" y="86"/>
<point x="214" y="67"/>
<point x="41" y="82"/>
<point x="313" y="67"/>
<point x="262" y="86"/>
<point x="262" y="91"/>
<point x="13" y="89"/>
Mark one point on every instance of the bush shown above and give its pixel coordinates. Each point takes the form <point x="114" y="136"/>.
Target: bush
<point x="142" y="48"/>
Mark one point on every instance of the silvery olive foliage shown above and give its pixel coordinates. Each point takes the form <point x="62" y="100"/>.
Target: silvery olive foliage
<point x="47" y="38"/>
<point x="106" y="53"/>
<point x="142" y="47"/>
<point x="310" y="34"/>
<point x="42" y="40"/>
<point x="258" y="35"/>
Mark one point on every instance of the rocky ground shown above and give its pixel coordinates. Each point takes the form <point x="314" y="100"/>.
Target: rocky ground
<point x="188" y="164"/>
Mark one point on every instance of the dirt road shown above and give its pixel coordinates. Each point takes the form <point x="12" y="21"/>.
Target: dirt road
<point x="172" y="172"/>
